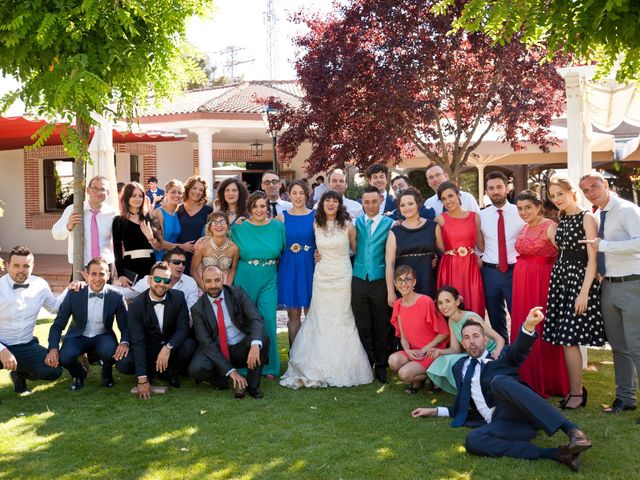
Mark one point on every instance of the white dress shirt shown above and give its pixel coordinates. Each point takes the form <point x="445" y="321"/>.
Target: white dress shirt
<point x="354" y="209"/>
<point x="105" y="221"/>
<point x="19" y="309"/>
<point x="467" y="201"/>
<point x="385" y="194"/>
<point x="376" y="221"/>
<point x="318" y="191"/>
<point x="159" y="309"/>
<point x="95" y="315"/>
<point x="513" y="225"/>
<point x="281" y="205"/>
<point x="185" y="284"/>
<point x="621" y="243"/>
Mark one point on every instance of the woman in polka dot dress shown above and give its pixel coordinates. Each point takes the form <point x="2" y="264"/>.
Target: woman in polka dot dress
<point x="573" y="308"/>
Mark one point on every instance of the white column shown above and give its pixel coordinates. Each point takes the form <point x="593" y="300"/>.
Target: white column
<point x="480" y="168"/>
<point x="205" y="155"/>
<point x="578" y="130"/>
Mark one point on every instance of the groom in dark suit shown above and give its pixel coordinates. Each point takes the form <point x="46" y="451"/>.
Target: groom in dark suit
<point x="93" y="309"/>
<point x="368" y="286"/>
<point x="230" y="331"/>
<point x="507" y="412"/>
<point x="159" y="330"/>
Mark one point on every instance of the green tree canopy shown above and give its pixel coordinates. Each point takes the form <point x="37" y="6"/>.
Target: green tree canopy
<point x="603" y="31"/>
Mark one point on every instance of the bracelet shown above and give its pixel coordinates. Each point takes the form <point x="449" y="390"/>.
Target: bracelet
<point x="143" y="383"/>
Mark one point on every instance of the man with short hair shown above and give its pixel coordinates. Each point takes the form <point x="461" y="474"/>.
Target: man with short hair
<point x="436" y="176"/>
<point x="508" y="413"/>
<point x="368" y="285"/>
<point x="618" y="252"/>
<point x="92" y="309"/>
<point x="400" y="183"/>
<point x="338" y="182"/>
<point x="378" y="176"/>
<point x="231" y="335"/>
<point x="158" y="324"/>
<point x="22" y="295"/>
<point x="176" y="258"/>
<point x="319" y="189"/>
<point x="154" y="193"/>
<point x="271" y="185"/>
<point x="501" y="224"/>
<point x="98" y="218"/>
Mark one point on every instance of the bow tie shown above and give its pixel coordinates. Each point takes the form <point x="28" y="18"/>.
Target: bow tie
<point x="96" y="295"/>
<point x="159" y="302"/>
<point x="20" y="285"/>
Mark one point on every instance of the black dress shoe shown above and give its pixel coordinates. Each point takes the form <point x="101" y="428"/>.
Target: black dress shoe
<point x="19" y="382"/>
<point x="255" y="393"/>
<point x="381" y="375"/>
<point x="107" y="376"/>
<point x="618" y="407"/>
<point x="174" y="381"/>
<point x="571" y="460"/>
<point x="578" y="441"/>
<point x="78" y="383"/>
<point x="222" y="387"/>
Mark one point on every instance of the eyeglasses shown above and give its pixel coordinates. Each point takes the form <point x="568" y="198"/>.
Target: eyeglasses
<point x="271" y="182"/>
<point x="166" y="281"/>
<point x="218" y="222"/>
<point x="99" y="190"/>
<point x="179" y="262"/>
<point x="404" y="281"/>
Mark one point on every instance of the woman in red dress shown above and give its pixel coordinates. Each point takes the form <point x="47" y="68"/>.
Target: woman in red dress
<point x="545" y="369"/>
<point x="419" y="327"/>
<point x="457" y="236"/>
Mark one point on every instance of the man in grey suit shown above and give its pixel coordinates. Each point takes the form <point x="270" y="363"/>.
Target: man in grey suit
<point x="618" y="250"/>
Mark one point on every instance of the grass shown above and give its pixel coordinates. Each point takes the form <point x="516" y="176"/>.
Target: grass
<point x="197" y="432"/>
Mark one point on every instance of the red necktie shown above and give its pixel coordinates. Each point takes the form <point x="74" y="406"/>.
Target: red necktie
<point x="222" y="330"/>
<point x="503" y="264"/>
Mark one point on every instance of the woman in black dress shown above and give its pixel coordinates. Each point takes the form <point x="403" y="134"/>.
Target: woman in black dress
<point x="412" y="243"/>
<point x="134" y="235"/>
<point x="192" y="215"/>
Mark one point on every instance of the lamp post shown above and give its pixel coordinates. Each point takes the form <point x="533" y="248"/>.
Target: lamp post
<point x="267" y="111"/>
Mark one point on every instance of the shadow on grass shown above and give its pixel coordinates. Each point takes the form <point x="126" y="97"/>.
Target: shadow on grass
<point x="198" y="432"/>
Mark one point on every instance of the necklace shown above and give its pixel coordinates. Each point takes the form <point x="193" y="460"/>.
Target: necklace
<point x="216" y="248"/>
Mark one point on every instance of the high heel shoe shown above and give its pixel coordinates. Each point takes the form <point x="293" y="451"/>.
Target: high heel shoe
<point x="583" y="403"/>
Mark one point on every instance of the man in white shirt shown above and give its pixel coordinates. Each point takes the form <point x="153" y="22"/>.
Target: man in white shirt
<point x="338" y="182"/>
<point x="435" y="176"/>
<point x="22" y="295"/>
<point x="176" y="258"/>
<point x="98" y="218"/>
<point x="378" y="175"/>
<point x="320" y="189"/>
<point x="501" y="226"/>
<point x="618" y="247"/>
<point x="271" y="185"/>
<point x="508" y="413"/>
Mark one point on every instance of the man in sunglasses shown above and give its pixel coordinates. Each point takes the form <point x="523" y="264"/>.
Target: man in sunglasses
<point x="159" y="333"/>
<point x="177" y="259"/>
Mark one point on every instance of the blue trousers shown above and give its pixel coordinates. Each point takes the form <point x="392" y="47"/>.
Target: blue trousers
<point x="30" y="357"/>
<point x="103" y="345"/>
<point x="497" y="293"/>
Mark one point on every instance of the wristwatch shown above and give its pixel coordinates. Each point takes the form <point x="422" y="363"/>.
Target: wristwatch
<point x="169" y="346"/>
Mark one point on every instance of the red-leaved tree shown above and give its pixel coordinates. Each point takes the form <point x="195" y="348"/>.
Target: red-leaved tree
<point x="385" y="77"/>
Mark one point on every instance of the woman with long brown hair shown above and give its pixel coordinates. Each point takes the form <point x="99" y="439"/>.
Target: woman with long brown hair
<point x="193" y="214"/>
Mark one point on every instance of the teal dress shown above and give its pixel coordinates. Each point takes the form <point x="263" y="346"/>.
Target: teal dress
<point x="441" y="370"/>
<point x="257" y="273"/>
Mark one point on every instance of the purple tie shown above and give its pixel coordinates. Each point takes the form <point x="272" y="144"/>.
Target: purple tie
<point x="95" y="239"/>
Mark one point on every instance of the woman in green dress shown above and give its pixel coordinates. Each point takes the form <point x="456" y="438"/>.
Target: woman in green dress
<point x="449" y="303"/>
<point x="261" y="241"/>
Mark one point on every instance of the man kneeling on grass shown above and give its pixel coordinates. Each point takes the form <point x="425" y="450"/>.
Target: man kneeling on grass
<point x="230" y="332"/>
<point x="507" y="412"/>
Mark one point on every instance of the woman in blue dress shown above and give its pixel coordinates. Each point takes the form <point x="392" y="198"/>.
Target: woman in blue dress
<point x="449" y="303"/>
<point x="295" y="273"/>
<point x="168" y="218"/>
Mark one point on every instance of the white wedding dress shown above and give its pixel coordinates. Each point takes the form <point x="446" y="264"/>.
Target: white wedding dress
<point x="327" y="351"/>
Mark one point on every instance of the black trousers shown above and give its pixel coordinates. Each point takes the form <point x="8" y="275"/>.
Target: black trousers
<point x="30" y="357"/>
<point x="203" y="369"/>
<point x="103" y="346"/>
<point x="178" y="360"/>
<point x="370" y="309"/>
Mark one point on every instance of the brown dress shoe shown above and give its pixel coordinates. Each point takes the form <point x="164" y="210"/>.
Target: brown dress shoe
<point x="578" y="441"/>
<point x="571" y="460"/>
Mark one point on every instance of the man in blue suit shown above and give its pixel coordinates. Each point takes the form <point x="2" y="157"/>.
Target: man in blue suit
<point x="507" y="412"/>
<point x="93" y="309"/>
<point x="368" y="287"/>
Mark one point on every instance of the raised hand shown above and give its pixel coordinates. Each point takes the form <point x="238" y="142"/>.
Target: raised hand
<point x="534" y="318"/>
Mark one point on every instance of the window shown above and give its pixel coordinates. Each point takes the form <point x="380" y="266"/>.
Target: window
<point x="134" y="168"/>
<point x="58" y="183"/>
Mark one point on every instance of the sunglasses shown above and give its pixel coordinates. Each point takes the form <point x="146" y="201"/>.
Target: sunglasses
<point x="179" y="262"/>
<point x="166" y="281"/>
<point x="271" y="182"/>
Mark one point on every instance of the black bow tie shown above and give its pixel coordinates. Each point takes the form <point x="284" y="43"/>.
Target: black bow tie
<point x="20" y="285"/>
<point x="159" y="302"/>
<point x="97" y="295"/>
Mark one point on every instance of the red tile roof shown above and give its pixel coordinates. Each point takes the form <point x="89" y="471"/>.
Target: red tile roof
<point x="236" y="98"/>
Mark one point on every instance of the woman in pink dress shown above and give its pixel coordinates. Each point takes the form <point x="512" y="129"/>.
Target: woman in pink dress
<point x="419" y="327"/>
<point x="457" y="236"/>
<point x="544" y="370"/>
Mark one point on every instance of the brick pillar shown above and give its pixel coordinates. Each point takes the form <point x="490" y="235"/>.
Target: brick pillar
<point x="31" y="189"/>
<point x="196" y="168"/>
<point x="149" y="164"/>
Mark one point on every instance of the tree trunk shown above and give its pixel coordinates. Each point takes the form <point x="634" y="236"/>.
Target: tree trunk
<point x="78" y="203"/>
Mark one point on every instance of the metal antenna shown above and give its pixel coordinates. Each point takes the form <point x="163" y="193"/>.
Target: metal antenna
<point x="270" y="21"/>
<point x="232" y="60"/>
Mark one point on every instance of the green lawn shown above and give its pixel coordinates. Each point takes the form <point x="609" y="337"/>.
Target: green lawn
<point x="197" y="432"/>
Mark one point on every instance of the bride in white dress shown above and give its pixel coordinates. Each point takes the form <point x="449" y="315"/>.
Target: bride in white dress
<point x="327" y="351"/>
